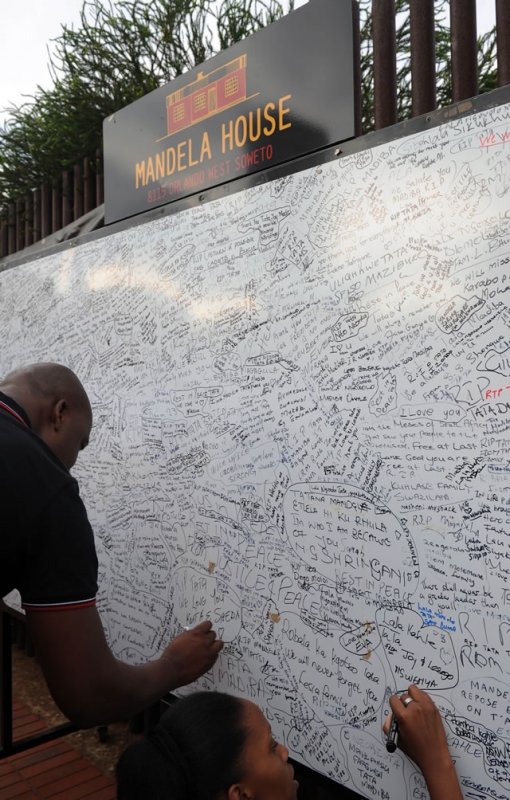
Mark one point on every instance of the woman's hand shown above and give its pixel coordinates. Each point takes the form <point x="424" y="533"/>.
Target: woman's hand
<point x="421" y="736"/>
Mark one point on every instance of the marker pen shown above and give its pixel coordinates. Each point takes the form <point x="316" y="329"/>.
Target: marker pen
<point x="392" y="738"/>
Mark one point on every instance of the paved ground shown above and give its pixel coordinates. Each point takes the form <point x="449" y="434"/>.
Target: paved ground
<point x="54" y="770"/>
<point x="30" y="688"/>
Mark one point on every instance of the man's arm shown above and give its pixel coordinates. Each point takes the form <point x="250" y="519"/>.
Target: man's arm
<point x="91" y="686"/>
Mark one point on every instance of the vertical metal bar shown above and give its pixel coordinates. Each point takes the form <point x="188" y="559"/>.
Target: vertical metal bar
<point x="66" y="199"/>
<point x="29" y="218"/>
<point x="356" y="52"/>
<point x="37" y="216"/>
<point x="20" y="225"/>
<point x="385" y="63"/>
<point x="78" y="192"/>
<point x="464" y="49"/>
<point x="503" y="41"/>
<point x="6" y="683"/>
<point x="56" y="208"/>
<point x="4" y="247"/>
<point x="11" y="247"/>
<point x="89" y="187"/>
<point x="423" y="56"/>
<point x="45" y="212"/>
<point x="99" y="178"/>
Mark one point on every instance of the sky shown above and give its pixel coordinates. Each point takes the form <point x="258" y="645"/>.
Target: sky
<point x="28" y="27"/>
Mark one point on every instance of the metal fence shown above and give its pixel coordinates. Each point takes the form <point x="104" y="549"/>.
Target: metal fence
<point x="46" y="210"/>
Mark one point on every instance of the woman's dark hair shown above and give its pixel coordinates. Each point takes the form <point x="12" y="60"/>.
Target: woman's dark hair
<point x="193" y="753"/>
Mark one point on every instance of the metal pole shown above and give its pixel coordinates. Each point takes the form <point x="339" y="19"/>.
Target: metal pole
<point x="464" y="49"/>
<point x="503" y="41"/>
<point x="11" y="229"/>
<point x="423" y="56"/>
<point x="99" y="178"/>
<point x="356" y="51"/>
<point x="29" y="218"/>
<point x="67" y="216"/>
<point x="36" y="234"/>
<point x="45" y="212"/>
<point x="77" y="191"/>
<point x="89" y="187"/>
<point x="3" y="233"/>
<point x="56" y="207"/>
<point x="7" y="746"/>
<point x="20" y="225"/>
<point x="385" y="63"/>
<point x="6" y="684"/>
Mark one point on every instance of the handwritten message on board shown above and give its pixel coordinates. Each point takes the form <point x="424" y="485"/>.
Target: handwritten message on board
<point x="301" y="401"/>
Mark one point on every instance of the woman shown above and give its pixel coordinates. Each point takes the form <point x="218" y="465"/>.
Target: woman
<point x="212" y="746"/>
<point x="208" y="746"/>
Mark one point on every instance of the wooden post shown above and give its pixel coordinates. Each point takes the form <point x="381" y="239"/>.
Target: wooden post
<point x="423" y="56"/>
<point x="385" y="63"/>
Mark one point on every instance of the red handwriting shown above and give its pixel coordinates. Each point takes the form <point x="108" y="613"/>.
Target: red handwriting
<point x="493" y="139"/>
<point x="492" y="394"/>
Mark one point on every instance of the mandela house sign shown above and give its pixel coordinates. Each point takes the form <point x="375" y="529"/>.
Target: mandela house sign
<point x="283" y="92"/>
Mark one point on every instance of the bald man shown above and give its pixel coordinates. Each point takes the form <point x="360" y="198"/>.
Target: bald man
<point x="47" y="552"/>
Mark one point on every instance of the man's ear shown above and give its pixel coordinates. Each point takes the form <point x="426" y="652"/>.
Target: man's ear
<point x="239" y="791"/>
<point x="57" y="414"/>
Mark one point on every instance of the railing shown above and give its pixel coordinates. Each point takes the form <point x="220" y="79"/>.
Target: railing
<point x="8" y="746"/>
<point x="464" y="55"/>
<point x="45" y="211"/>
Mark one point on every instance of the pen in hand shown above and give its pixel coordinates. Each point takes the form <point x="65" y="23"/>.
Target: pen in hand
<point x="392" y="738"/>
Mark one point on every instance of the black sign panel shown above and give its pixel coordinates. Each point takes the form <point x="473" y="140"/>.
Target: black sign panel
<point x="283" y="92"/>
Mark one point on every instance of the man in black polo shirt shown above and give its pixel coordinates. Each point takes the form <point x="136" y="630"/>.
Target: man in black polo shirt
<point x="47" y="552"/>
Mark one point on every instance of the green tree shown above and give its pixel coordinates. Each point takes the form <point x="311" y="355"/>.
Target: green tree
<point x="120" y="52"/>
<point x="124" y="50"/>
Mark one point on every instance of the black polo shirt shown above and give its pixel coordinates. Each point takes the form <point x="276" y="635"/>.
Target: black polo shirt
<point x="47" y="548"/>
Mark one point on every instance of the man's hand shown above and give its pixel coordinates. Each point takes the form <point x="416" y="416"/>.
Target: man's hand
<point x="92" y="687"/>
<point x="192" y="653"/>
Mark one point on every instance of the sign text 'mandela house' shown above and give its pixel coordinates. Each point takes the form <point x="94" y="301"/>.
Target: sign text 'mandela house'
<point x="234" y="134"/>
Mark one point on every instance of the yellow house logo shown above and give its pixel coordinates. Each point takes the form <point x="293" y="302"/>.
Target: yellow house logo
<point x="206" y="96"/>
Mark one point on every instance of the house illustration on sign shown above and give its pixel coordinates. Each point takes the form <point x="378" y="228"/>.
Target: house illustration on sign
<point x="209" y="94"/>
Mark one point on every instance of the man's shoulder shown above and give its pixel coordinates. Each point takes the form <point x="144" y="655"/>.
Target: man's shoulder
<point x="28" y="463"/>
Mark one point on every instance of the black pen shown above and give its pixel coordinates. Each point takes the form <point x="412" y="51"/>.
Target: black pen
<point x="392" y="738"/>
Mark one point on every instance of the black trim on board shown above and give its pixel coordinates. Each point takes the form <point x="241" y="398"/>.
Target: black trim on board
<point x="402" y="129"/>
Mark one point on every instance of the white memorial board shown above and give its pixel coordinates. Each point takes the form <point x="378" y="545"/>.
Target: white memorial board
<point x="301" y="396"/>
